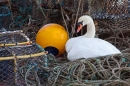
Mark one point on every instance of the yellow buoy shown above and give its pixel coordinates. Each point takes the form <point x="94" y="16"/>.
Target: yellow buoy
<point x="52" y="37"/>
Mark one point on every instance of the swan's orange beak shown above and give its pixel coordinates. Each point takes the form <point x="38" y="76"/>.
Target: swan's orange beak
<point x="79" y="27"/>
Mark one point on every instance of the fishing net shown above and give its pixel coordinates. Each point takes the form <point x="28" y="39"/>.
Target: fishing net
<point x="5" y="16"/>
<point x="22" y="65"/>
<point x="114" y="31"/>
<point x="109" y="70"/>
<point x="12" y="38"/>
<point x="6" y="69"/>
<point x="110" y="9"/>
<point x="117" y="6"/>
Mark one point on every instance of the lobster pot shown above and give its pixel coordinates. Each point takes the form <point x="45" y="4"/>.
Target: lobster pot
<point x="12" y="38"/>
<point x="109" y="9"/>
<point x="22" y="65"/>
<point x="115" y="31"/>
<point x="6" y="68"/>
<point x="117" y="6"/>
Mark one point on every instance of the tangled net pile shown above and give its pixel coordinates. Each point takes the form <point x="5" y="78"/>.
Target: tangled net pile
<point x="110" y="70"/>
<point x="111" y="17"/>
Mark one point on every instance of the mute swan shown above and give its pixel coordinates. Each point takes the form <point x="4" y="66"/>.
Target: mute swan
<point x="87" y="46"/>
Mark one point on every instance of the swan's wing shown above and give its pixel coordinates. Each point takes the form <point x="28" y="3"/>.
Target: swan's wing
<point x="69" y="44"/>
<point x="83" y="52"/>
<point x="106" y="46"/>
<point x="98" y="45"/>
<point x="91" y="47"/>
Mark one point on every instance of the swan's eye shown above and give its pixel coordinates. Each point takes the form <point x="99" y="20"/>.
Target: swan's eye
<point x="80" y="23"/>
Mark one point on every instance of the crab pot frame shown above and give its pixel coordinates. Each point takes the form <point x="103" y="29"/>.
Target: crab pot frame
<point x="12" y="38"/>
<point x="22" y="65"/>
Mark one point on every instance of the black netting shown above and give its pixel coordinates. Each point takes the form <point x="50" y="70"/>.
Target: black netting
<point x="110" y="9"/>
<point x="13" y="37"/>
<point x="5" y="18"/>
<point x="6" y="69"/>
<point x="22" y="65"/>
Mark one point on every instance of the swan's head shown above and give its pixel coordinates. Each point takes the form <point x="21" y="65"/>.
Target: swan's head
<point x="82" y="21"/>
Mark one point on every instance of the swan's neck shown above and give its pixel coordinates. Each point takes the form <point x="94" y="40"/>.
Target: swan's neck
<point x="90" y="30"/>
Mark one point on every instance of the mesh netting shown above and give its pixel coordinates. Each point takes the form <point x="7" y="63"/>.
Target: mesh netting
<point x="6" y="69"/>
<point x="5" y="17"/>
<point x="114" y="31"/>
<point x="117" y="6"/>
<point x="12" y="38"/>
<point x="22" y="65"/>
<point x="110" y="70"/>
<point x="110" y="9"/>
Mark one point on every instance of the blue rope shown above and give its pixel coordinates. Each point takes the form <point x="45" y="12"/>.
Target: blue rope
<point x="42" y="49"/>
<point x="45" y="56"/>
<point x="123" y="59"/>
<point x="24" y="9"/>
<point x="31" y="64"/>
<point x="19" y="21"/>
<point x="2" y="15"/>
<point x="8" y="11"/>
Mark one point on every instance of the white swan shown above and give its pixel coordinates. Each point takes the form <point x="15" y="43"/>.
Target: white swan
<point x="87" y="46"/>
